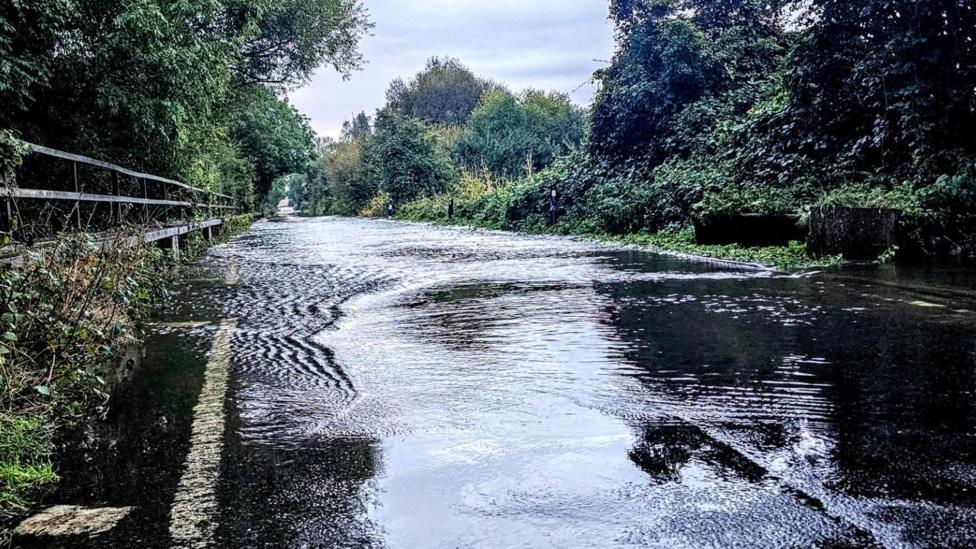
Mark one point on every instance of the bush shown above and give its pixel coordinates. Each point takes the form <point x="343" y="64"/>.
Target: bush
<point x="946" y="220"/>
<point x="377" y="207"/>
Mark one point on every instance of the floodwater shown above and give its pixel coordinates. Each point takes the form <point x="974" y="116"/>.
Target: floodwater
<point x="400" y="385"/>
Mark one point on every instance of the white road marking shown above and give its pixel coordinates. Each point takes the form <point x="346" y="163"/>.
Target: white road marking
<point x="192" y="519"/>
<point x="233" y="274"/>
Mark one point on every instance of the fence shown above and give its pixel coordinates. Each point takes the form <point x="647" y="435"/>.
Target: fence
<point x="80" y="193"/>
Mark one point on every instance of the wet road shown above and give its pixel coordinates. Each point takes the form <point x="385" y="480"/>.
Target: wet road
<point x="407" y="386"/>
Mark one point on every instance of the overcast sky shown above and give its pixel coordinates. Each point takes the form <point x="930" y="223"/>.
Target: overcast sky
<point x="543" y="44"/>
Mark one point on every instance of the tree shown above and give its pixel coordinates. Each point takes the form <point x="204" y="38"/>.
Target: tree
<point x="661" y="66"/>
<point x="276" y="135"/>
<point x="163" y="86"/>
<point x="445" y="92"/>
<point x="348" y="190"/>
<point x="404" y="159"/>
<point x="29" y="32"/>
<point x="357" y="128"/>
<point x="510" y="135"/>
<point x="295" y="37"/>
<point x="887" y="86"/>
<point x="281" y="188"/>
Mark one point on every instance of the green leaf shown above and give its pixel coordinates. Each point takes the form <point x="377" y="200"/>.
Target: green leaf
<point x="43" y="389"/>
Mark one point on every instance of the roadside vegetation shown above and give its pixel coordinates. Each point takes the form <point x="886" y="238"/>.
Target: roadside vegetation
<point x="68" y="314"/>
<point x="707" y="108"/>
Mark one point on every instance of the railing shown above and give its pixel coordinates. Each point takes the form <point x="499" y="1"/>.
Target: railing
<point x="126" y="197"/>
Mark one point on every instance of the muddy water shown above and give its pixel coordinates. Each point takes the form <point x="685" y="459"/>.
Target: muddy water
<point x="406" y="386"/>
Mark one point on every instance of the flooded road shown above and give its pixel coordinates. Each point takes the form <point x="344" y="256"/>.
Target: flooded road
<point x="399" y="385"/>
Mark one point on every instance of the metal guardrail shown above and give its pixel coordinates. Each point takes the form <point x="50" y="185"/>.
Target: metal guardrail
<point x="171" y="194"/>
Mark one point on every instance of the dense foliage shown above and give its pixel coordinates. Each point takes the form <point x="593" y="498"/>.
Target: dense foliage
<point x="173" y="88"/>
<point x="274" y="134"/>
<point x="510" y="136"/>
<point x="405" y="160"/>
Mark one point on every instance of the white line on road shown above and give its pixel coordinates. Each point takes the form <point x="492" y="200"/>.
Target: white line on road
<point x="192" y="519"/>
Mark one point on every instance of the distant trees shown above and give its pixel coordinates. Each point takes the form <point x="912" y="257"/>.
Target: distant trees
<point x="510" y="136"/>
<point x="274" y="134"/>
<point x="358" y="128"/>
<point x="404" y="159"/>
<point x="443" y="121"/>
<point x="445" y="92"/>
<point x="349" y="192"/>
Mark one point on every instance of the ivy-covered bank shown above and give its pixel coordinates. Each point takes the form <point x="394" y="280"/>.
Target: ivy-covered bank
<point x="68" y="313"/>
<point x="521" y="206"/>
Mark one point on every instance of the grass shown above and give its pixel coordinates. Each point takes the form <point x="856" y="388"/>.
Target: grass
<point x="25" y="459"/>
<point x="786" y="258"/>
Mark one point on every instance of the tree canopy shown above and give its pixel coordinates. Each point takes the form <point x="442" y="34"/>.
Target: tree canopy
<point x="273" y="133"/>
<point x="445" y="92"/>
<point x="405" y="160"/>
<point x="294" y="38"/>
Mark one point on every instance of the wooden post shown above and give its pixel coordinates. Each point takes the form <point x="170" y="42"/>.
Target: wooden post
<point x="176" y="247"/>
<point x="209" y="233"/>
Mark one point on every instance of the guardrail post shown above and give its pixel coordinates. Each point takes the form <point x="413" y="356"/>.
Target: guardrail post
<point x="145" y="194"/>
<point x="165" y="214"/>
<point x="8" y="217"/>
<point x="74" y="171"/>
<point x="117" y="206"/>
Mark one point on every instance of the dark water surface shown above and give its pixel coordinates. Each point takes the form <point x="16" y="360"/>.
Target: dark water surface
<point x="407" y="386"/>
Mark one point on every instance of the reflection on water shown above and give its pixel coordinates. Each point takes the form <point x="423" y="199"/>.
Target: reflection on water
<point x="408" y="386"/>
